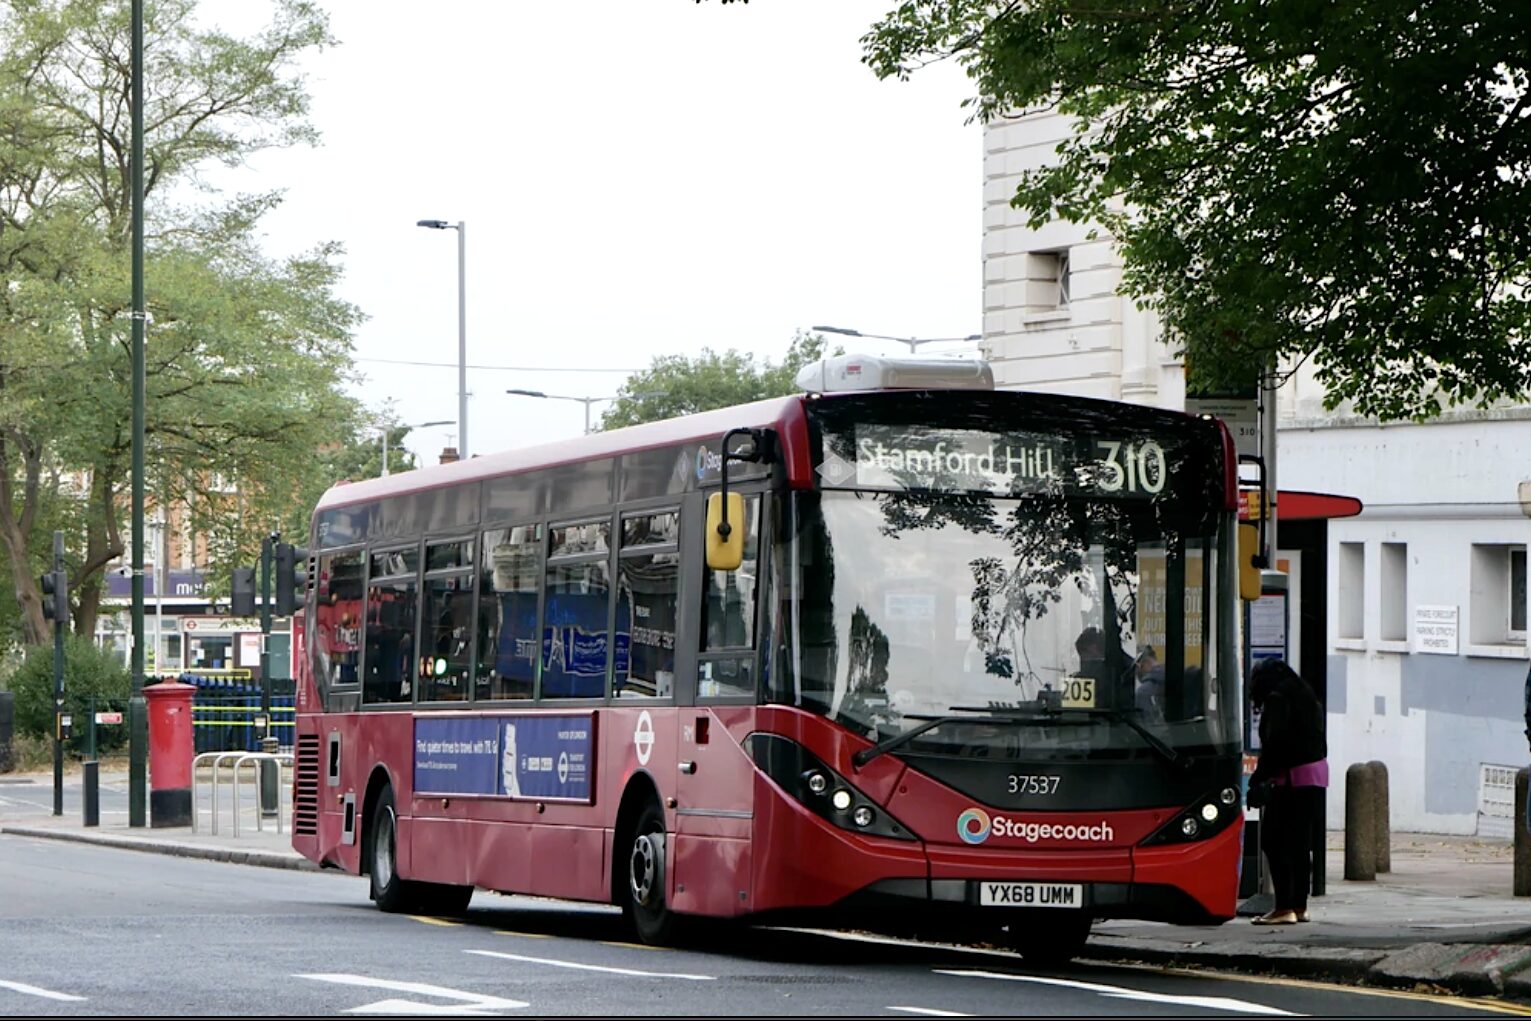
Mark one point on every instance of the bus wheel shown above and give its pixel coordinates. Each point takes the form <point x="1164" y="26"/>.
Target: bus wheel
<point x="644" y="899"/>
<point x="1050" y="939"/>
<point x="407" y="896"/>
<point x="391" y="892"/>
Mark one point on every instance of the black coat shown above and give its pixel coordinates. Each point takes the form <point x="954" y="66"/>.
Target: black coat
<point x="1291" y="729"/>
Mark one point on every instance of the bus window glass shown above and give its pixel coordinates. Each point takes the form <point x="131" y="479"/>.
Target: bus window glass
<point x="443" y="556"/>
<point x="337" y="620"/>
<point x="393" y="563"/>
<point x="390" y="642"/>
<point x="725" y="677"/>
<point x="574" y="643"/>
<point x="507" y="612"/>
<point x="573" y="540"/>
<point x="646" y="606"/>
<point x="651" y="530"/>
<point x="728" y="597"/>
<point x="445" y="635"/>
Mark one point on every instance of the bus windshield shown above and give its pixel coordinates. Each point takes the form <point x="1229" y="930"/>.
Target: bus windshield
<point x="917" y="605"/>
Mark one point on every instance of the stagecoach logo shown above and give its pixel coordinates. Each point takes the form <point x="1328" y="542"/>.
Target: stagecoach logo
<point x="974" y="826"/>
<point x="707" y="463"/>
<point x="643" y="737"/>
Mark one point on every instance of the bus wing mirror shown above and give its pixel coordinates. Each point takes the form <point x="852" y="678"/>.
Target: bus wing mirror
<point x="1249" y="567"/>
<point x="725" y="531"/>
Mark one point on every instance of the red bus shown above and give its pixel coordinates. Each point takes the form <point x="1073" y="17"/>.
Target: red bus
<point x="965" y="653"/>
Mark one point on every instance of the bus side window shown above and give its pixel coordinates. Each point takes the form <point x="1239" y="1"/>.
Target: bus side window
<point x="389" y="659"/>
<point x="337" y="619"/>
<point x="509" y="580"/>
<point x="648" y="579"/>
<point x="729" y="618"/>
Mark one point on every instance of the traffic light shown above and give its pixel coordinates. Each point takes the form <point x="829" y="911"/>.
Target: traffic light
<point x="55" y="589"/>
<point x="242" y="596"/>
<point x="291" y="579"/>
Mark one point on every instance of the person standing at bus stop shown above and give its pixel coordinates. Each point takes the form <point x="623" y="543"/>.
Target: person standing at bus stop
<point x="1528" y="741"/>
<point x="1292" y="773"/>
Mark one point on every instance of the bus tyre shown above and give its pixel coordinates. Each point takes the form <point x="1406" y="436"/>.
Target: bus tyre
<point x="1050" y="939"/>
<point x="393" y="893"/>
<point x="389" y="891"/>
<point x="644" y="890"/>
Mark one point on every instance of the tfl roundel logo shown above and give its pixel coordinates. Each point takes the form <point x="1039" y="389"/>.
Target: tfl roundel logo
<point x="973" y="826"/>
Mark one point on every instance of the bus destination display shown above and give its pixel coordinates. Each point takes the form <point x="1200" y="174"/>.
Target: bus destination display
<point x="1012" y="464"/>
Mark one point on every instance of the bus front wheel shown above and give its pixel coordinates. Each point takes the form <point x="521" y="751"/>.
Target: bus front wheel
<point x="644" y="892"/>
<point x="390" y="891"/>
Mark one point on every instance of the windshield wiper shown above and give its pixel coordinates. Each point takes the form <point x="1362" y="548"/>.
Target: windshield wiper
<point x="1048" y="714"/>
<point x="866" y="755"/>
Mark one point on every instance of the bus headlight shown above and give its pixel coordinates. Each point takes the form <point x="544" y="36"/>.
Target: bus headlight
<point x="809" y="781"/>
<point x="1202" y="819"/>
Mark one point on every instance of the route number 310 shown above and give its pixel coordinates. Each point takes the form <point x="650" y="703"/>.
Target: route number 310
<point x="1131" y="467"/>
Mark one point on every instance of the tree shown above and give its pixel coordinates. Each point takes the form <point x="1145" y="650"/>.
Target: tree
<point x="1346" y="182"/>
<point x="676" y="385"/>
<point x="245" y="355"/>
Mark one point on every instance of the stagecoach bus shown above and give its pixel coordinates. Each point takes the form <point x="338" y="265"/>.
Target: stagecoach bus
<point x="901" y="642"/>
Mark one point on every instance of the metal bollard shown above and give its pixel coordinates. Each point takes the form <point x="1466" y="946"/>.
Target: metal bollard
<point x="91" y="792"/>
<point x="1522" y="872"/>
<point x="270" y="790"/>
<point x="1360" y="824"/>
<point x="1384" y="821"/>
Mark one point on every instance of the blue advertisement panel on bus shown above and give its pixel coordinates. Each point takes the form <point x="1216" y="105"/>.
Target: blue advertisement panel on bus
<point x="510" y="756"/>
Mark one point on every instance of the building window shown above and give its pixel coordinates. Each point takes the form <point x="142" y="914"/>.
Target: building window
<point x="1395" y="591"/>
<point x="1518" y="592"/>
<point x="1352" y="595"/>
<point x="1048" y="282"/>
<point x="1498" y="594"/>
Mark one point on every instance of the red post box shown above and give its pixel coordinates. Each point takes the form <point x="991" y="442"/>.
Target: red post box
<point x="170" y="753"/>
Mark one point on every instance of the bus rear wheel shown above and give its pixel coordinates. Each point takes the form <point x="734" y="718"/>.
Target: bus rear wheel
<point x="390" y="891"/>
<point x="643" y="899"/>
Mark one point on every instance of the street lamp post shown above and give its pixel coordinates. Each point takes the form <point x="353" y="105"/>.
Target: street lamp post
<point x="386" y="428"/>
<point x="461" y="227"/>
<point x="586" y="401"/>
<point x="913" y="342"/>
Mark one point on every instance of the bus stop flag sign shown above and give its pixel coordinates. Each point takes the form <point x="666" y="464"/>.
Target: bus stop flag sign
<point x="514" y="756"/>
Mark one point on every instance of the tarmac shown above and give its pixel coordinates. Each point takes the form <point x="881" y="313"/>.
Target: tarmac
<point x="1443" y="920"/>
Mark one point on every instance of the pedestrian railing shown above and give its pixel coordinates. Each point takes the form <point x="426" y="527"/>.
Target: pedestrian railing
<point x="236" y="761"/>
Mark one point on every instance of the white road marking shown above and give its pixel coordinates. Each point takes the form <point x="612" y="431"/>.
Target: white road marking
<point x="468" y="1003"/>
<point x="1122" y="993"/>
<point x="47" y="994"/>
<point x="591" y="967"/>
<point x="931" y="1011"/>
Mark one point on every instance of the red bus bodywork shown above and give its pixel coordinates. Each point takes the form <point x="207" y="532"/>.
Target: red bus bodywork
<point x="739" y="844"/>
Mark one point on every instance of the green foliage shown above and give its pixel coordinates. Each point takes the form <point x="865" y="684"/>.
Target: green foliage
<point x="675" y="385"/>
<point x="247" y="356"/>
<point x="89" y="671"/>
<point x="1347" y="182"/>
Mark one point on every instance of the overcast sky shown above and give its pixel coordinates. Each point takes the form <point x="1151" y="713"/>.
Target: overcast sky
<point x="638" y="177"/>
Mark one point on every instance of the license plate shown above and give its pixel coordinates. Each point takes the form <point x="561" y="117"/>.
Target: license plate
<point x="1031" y="895"/>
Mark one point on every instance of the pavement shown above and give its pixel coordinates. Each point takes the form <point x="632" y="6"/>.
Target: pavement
<point x="1442" y="920"/>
